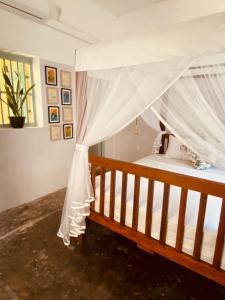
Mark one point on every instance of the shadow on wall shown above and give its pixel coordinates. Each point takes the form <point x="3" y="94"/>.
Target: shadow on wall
<point x="97" y="149"/>
<point x="130" y="144"/>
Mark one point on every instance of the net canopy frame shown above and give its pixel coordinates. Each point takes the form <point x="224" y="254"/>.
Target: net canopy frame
<point x="117" y="82"/>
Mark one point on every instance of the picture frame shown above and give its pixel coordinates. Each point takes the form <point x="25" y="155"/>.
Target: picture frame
<point x="65" y="79"/>
<point x="52" y="95"/>
<point x="67" y="131"/>
<point x="53" y="114"/>
<point x="50" y="75"/>
<point x="67" y="114"/>
<point x="66" y="96"/>
<point x="55" y="132"/>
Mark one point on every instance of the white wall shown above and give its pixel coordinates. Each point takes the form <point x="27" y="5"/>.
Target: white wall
<point x="87" y="17"/>
<point x="165" y="14"/>
<point x="30" y="165"/>
<point x="25" y="36"/>
<point x="127" y="146"/>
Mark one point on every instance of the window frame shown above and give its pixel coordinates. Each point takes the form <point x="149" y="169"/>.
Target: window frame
<point x="24" y="60"/>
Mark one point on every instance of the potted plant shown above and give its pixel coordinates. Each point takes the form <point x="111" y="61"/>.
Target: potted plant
<point x="15" y="99"/>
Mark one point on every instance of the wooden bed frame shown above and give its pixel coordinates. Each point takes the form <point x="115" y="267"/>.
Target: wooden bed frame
<point x="101" y="165"/>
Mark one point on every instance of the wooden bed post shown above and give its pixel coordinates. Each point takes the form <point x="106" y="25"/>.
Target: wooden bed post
<point x="163" y="128"/>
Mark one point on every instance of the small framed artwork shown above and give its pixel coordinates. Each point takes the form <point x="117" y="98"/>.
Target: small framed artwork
<point x="67" y="131"/>
<point x="67" y="114"/>
<point x="66" y="96"/>
<point x="53" y="114"/>
<point x="55" y="132"/>
<point x="65" y="77"/>
<point x="52" y="95"/>
<point x="50" y="75"/>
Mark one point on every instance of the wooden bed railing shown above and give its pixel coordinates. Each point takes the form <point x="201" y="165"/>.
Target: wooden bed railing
<point x="100" y="165"/>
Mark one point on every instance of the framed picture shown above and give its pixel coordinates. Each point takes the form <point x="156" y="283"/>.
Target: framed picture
<point x="50" y="75"/>
<point x="66" y="96"/>
<point x="67" y="131"/>
<point x="55" y="132"/>
<point x="67" y="114"/>
<point x="53" y="114"/>
<point x="52" y="95"/>
<point x="65" y="77"/>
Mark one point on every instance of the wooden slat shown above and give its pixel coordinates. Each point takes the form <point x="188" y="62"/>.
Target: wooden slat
<point x="123" y="199"/>
<point x="203" y="186"/>
<point x="148" y="222"/>
<point x="200" y="226"/>
<point x="136" y="203"/>
<point x="93" y="180"/>
<point x="102" y="190"/>
<point x="181" y="220"/>
<point x="112" y="194"/>
<point x="220" y="238"/>
<point x="169" y="252"/>
<point x="192" y="183"/>
<point x="165" y="207"/>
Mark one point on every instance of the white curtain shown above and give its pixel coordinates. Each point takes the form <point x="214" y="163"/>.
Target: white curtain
<point x="107" y="102"/>
<point x="194" y="109"/>
<point x="151" y="120"/>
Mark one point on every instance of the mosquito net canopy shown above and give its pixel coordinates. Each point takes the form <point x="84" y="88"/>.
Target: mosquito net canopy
<point x="161" y="72"/>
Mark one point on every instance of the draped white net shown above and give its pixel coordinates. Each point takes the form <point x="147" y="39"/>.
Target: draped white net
<point x="108" y="101"/>
<point x="152" y="121"/>
<point x="194" y="109"/>
<point x="187" y="97"/>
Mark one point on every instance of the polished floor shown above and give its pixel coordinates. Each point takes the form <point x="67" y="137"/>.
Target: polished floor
<point x="34" y="263"/>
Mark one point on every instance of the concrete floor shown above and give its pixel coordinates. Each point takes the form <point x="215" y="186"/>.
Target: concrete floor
<point x="34" y="263"/>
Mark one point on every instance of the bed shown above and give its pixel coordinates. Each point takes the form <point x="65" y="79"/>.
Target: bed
<point x="178" y="166"/>
<point x="165" y="206"/>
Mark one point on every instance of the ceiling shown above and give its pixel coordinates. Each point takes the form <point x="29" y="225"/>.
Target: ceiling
<point x="122" y="7"/>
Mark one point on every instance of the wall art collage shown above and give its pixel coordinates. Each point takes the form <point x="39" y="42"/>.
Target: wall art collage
<point x="59" y="101"/>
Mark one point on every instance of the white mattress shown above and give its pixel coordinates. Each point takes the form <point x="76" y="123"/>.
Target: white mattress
<point x="178" y="166"/>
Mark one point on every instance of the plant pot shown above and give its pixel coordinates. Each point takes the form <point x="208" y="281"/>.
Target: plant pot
<point x="17" y="122"/>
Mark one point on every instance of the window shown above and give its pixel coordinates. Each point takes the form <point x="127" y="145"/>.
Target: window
<point x="23" y="65"/>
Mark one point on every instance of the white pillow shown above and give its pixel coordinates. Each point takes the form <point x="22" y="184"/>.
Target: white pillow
<point x="174" y="149"/>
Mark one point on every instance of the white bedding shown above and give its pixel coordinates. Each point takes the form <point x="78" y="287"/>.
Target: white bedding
<point x="178" y="166"/>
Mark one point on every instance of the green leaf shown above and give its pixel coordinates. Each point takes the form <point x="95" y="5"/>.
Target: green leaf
<point x="11" y="99"/>
<point x="15" y="99"/>
<point x="17" y="88"/>
<point x="25" y="96"/>
<point x="21" y="92"/>
<point x="6" y="78"/>
<point x="7" y="81"/>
